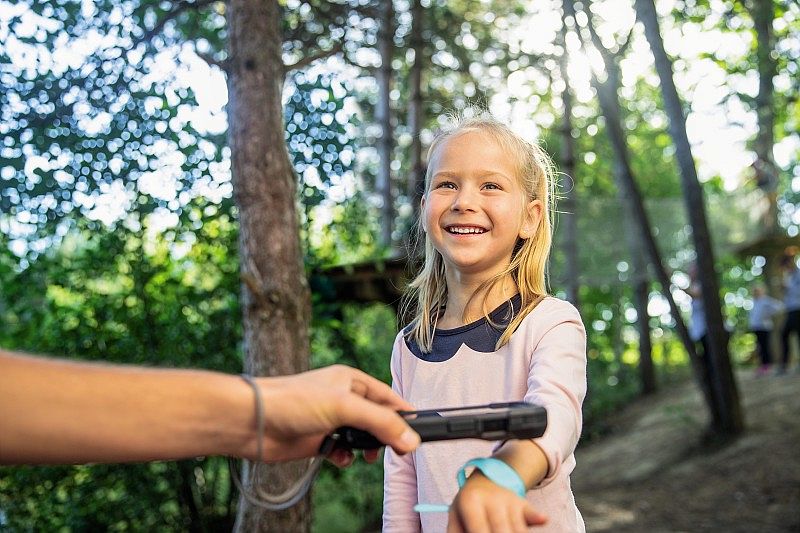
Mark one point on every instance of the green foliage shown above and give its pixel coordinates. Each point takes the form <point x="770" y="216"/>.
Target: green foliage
<point x="351" y="499"/>
<point x="87" y="107"/>
<point x="128" y="296"/>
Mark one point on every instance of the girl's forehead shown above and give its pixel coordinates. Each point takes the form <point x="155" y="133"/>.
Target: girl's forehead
<point x="469" y="147"/>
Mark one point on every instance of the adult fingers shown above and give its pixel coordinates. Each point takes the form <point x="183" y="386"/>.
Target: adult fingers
<point x="381" y="421"/>
<point x="376" y="390"/>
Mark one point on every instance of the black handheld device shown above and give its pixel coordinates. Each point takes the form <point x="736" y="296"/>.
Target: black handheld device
<point x="495" y="421"/>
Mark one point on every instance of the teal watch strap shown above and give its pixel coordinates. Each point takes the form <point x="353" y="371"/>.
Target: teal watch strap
<point x="496" y="470"/>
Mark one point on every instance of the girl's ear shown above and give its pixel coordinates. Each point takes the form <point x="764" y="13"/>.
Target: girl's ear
<point x="533" y="217"/>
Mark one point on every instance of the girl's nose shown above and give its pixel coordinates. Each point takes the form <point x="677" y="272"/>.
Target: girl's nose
<point x="464" y="200"/>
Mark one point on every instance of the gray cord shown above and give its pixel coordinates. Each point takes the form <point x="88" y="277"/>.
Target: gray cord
<point x="253" y="492"/>
<point x="259" y="415"/>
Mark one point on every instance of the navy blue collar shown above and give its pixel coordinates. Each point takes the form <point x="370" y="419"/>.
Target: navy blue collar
<point x="480" y="335"/>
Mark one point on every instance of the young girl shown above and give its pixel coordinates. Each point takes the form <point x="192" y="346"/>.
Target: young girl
<point x="485" y="331"/>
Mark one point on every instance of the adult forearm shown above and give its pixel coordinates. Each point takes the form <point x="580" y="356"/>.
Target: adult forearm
<point x="56" y="411"/>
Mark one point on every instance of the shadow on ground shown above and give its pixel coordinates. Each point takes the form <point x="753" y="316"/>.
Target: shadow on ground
<point x="654" y="472"/>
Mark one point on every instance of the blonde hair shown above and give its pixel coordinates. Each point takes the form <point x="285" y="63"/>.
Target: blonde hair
<point x="426" y="295"/>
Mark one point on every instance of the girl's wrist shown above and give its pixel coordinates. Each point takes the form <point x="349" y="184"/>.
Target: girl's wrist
<point x="526" y="458"/>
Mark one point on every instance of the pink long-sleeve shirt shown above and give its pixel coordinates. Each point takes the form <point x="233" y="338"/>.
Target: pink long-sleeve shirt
<point x="544" y="363"/>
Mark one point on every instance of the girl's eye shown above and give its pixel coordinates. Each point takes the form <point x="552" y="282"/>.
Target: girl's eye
<point x="445" y="185"/>
<point x="492" y="186"/>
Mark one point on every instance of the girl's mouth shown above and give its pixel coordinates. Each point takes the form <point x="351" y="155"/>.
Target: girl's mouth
<point x="465" y="230"/>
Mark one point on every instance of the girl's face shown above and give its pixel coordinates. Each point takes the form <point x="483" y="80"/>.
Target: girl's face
<point x="475" y="208"/>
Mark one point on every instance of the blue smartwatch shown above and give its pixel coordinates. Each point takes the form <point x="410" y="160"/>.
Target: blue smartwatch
<point x="496" y="470"/>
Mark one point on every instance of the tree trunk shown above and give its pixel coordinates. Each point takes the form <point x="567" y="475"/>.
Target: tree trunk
<point x="275" y="296"/>
<point x="609" y="104"/>
<point x="723" y="382"/>
<point x="635" y="238"/>
<point x="383" y="115"/>
<point x="615" y="326"/>
<point x="416" y="178"/>
<point x="763" y="14"/>
<point x="639" y="278"/>
<point x="569" y="202"/>
<point x="641" y="298"/>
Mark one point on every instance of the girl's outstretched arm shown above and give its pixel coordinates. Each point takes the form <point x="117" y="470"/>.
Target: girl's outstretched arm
<point x="58" y="412"/>
<point x="556" y="381"/>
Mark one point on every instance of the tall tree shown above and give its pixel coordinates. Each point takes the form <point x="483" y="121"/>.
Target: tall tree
<point x="383" y="114"/>
<point x="623" y="174"/>
<point x="275" y="295"/>
<point x="630" y="193"/>
<point x="763" y="14"/>
<point x="416" y="177"/>
<point x="724" y="387"/>
<point x="567" y="157"/>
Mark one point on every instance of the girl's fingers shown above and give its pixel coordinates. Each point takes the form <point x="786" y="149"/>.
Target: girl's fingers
<point x="453" y="522"/>
<point x="523" y="516"/>
<point x="371" y="456"/>
<point x="498" y="519"/>
<point x="341" y="458"/>
<point x="533" y="517"/>
<point x="470" y="518"/>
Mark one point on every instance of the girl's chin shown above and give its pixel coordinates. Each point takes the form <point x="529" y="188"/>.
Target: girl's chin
<point x="473" y="268"/>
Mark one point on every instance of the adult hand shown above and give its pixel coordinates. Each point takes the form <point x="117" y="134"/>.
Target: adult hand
<point x="481" y="506"/>
<point x="301" y="409"/>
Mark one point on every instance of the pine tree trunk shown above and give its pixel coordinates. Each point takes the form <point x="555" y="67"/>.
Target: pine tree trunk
<point x="383" y="115"/>
<point x="416" y="178"/>
<point x="638" y="265"/>
<point x="723" y="383"/>
<point x="763" y="14"/>
<point x="570" y="201"/>
<point x="626" y="182"/>
<point x="275" y="294"/>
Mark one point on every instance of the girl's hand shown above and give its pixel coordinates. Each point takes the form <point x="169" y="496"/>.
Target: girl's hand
<point x="482" y="506"/>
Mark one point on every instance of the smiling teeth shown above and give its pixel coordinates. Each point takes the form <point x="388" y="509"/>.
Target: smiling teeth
<point x="464" y="231"/>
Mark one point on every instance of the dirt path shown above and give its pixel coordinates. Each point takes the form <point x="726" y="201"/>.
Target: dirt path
<point x="651" y="474"/>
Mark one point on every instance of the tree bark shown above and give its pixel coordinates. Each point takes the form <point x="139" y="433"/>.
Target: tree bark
<point x="622" y="174"/>
<point x="416" y="178"/>
<point x="275" y="296"/>
<point x="570" y="201"/>
<point x="383" y="115"/>
<point x="626" y="182"/>
<point x="723" y="382"/>
<point x="763" y="14"/>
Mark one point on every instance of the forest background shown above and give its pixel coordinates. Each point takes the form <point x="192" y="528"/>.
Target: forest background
<point x="120" y="217"/>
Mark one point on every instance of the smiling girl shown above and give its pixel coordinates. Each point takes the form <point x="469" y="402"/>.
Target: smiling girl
<point x="485" y="330"/>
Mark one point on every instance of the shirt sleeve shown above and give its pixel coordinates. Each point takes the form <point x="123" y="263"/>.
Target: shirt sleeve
<point x="399" y="472"/>
<point x="557" y="382"/>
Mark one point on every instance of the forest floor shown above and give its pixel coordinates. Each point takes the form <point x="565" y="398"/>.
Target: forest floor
<point x="655" y="471"/>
